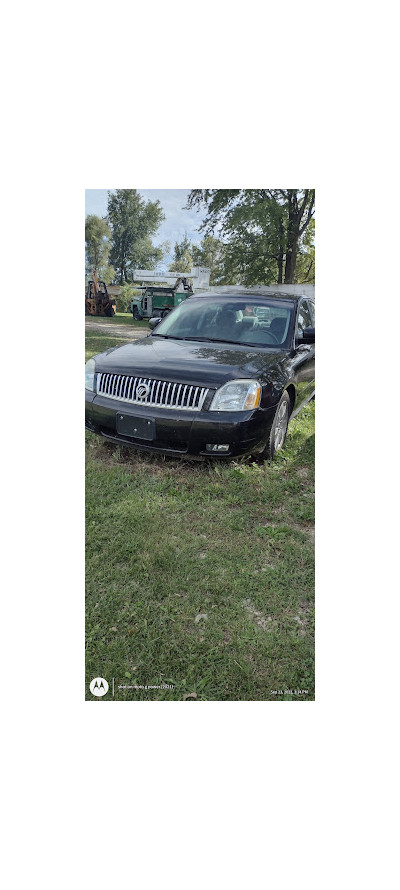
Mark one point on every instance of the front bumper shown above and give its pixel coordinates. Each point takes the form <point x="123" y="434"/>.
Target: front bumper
<point x="179" y="432"/>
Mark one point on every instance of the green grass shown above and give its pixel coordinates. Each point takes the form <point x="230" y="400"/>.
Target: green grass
<point x="119" y="318"/>
<point x="169" y="541"/>
<point x="97" y="342"/>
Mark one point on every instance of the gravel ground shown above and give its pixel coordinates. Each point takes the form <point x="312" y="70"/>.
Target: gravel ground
<point x="117" y="330"/>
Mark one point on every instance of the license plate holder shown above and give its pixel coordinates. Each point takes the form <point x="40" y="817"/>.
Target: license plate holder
<point x="135" y="427"/>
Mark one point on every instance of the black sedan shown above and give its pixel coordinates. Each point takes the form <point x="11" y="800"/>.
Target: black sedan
<point x="220" y="376"/>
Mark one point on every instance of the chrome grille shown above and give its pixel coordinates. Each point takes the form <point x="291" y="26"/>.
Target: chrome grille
<point x="157" y="393"/>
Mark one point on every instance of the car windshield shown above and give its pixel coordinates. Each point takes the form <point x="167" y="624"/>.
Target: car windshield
<point x="253" y="322"/>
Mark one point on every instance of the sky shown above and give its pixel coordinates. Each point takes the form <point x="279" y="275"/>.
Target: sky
<point x="178" y="221"/>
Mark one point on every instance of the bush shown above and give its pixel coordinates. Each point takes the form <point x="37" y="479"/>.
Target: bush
<point x="125" y="296"/>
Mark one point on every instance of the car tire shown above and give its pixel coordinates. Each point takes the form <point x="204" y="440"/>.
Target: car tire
<point x="135" y="313"/>
<point x="277" y="436"/>
<point x="164" y="313"/>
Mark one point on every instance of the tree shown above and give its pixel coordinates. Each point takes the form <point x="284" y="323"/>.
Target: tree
<point x="132" y="221"/>
<point x="127" y="292"/>
<point x="97" y="244"/>
<point x="211" y="253"/>
<point x="182" y="261"/>
<point x="262" y="229"/>
<point x="300" y="212"/>
<point x="305" y="266"/>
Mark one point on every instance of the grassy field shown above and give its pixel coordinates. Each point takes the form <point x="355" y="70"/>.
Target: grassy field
<point x="97" y="342"/>
<point x="120" y="318"/>
<point x="200" y="576"/>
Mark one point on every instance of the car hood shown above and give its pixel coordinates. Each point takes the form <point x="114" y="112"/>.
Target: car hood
<point x="187" y="361"/>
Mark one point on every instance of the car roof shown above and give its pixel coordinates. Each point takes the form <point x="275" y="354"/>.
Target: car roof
<point x="241" y="292"/>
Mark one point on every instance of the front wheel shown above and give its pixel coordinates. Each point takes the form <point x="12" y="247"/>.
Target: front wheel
<point x="279" y="427"/>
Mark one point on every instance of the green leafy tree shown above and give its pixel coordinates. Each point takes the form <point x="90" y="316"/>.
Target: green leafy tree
<point x="182" y="261"/>
<point x="305" y="266"/>
<point x="211" y="253"/>
<point x="97" y="248"/>
<point x="125" y="296"/>
<point x="263" y="230"/>
<point x="133" y="222"/>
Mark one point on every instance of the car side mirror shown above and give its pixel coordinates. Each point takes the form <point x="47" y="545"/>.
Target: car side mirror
<point x="308" y="337"/>
<point x="153" y="322"/>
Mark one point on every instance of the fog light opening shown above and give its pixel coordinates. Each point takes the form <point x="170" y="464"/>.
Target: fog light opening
<point x="217" y="447"/>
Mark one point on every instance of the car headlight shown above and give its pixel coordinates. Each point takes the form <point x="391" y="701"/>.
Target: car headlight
<point x="90" y="368"/>
<point x="237" y="395"/>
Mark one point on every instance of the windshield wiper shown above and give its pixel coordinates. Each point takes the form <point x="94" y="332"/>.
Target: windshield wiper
<point x="257" y="345"/>
<point x="210" y="340"/>
<point x="235" y="342"/>
<point x="214" y="340"/>
<point x="168" y="336"/>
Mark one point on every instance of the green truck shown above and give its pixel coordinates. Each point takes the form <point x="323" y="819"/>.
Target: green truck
<point x="157" y="301"/>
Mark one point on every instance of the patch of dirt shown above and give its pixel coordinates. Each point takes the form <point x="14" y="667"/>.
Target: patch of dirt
<point x="306" y="529"/>
<point x="303" y="473"/>
<point x="118" y="330"/>
<point x="302" y="619"/>
<point x="263" y="621"/>
<point x="266" y="623"/>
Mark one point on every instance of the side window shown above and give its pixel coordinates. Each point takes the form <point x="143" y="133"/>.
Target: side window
<point x="303" y="319"/>
<point x="311" y="307"/>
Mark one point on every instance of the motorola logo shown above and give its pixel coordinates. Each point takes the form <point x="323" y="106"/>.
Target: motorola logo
<point x="99" y="686"/>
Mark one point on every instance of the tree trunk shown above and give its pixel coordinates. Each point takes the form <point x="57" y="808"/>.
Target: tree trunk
<point x="292" y="238"/>
<point x="281" y="252"/>
<point x="291" y="257"/>
<point x="297" y="224"/>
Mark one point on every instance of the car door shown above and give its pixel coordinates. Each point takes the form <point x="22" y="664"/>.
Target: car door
<point x="304" y="361"/>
